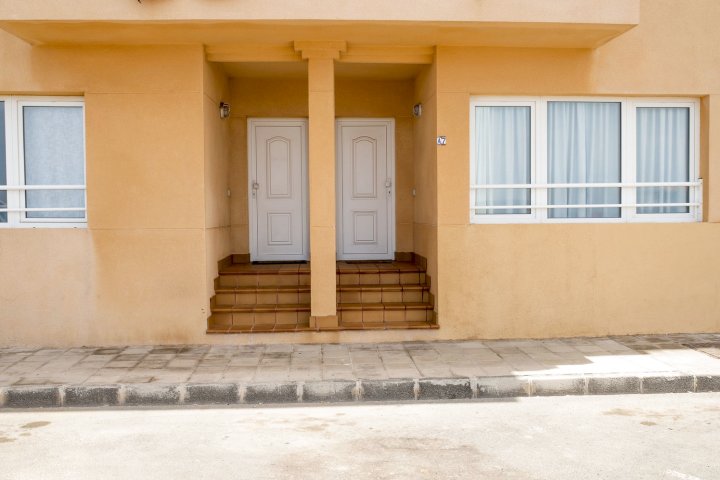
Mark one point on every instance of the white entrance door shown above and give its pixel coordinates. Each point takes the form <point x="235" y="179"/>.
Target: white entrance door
<point x="277" y="189"/>
<point x="365" y="189"/>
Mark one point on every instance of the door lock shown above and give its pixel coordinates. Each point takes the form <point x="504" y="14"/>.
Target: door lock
<point x="255" y="188"/>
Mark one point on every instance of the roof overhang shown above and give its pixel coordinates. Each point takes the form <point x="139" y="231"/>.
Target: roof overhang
<point x="504" y="23"/>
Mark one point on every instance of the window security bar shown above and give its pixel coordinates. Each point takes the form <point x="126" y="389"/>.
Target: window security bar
<point x="696" y="186"/>
<point x="592" y="205"/>
<point x="69" y="209"/>
<point x="14" y="188"/>
<point x="40" y="187"/>
<point x="586" y="185"/>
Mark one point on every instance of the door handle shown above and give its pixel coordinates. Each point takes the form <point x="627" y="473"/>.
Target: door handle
<point x="388" y="184"/>
<point x="255" y="188"/>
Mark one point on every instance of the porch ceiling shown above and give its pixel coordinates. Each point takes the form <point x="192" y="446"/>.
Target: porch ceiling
<point x="393" y="32"/>
<point x="266" y="69"/>
<point x="378" y="71"/>
<point x="298" y="70"/>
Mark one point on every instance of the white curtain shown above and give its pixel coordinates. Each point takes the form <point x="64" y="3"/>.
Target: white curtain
<point x="583" y="147"/>
<point x="54" y="155"/>
<point x="3" y="164"/>
<point x="502" y="156"/>
<point x="663" y="155"/>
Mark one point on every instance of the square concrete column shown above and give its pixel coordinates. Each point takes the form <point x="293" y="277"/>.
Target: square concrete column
<point x="321" y="146"/>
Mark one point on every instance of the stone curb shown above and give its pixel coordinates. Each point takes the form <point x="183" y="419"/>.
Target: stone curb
<point x="335" y="391"/>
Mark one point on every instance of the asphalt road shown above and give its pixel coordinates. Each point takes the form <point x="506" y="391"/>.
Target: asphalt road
<point x="674" y="436"/>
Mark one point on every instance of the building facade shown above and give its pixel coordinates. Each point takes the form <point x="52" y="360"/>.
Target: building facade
<point x="450" y="170"/>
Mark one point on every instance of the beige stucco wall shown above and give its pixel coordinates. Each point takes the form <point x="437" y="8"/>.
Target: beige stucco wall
<point x="566" y="280"/>
<point x="158" y="221"/>
<point x="216" y="172"/>
<point x="425" y="212"/>
<point x="287" y="98"/>
<point x="561" y="280"/>
<point x="136" y="274"/>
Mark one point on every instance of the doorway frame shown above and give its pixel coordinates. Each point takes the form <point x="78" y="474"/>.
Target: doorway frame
<point x="388" y="122"/>
<point x="252" y="123"/>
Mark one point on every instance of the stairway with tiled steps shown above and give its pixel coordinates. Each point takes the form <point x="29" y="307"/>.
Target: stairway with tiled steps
<point x="276" y="297"/>
<point x="383" y="296"/>
<point x="261" y="298"/>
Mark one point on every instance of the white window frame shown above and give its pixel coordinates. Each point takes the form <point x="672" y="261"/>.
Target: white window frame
<point x="15" y="165"/>
<point x="514" y="102"/>
<point x="628" y="202"/>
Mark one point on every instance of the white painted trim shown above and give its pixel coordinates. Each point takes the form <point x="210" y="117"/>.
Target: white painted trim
<point x="254" y="122"/>
<point x="15" y="164"/>
<point x="389" y="123"/>
<point x="694" y="212"/>
<point x="628" y="106"/>
<point x="515" y="102"/>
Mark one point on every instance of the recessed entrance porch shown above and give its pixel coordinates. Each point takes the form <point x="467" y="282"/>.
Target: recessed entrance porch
<point x="326" y="161"/>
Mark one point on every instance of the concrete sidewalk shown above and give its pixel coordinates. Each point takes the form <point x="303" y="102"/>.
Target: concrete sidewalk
<point x="204" y="374"/>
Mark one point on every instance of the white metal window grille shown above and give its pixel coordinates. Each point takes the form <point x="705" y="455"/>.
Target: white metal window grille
<point x="42" y="162"/>
<point x="584" y="160"/>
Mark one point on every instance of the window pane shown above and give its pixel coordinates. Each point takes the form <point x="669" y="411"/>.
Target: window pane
<point x="503" y="156"/>
<point x="54" y="155"/>
<point x="663" y="155"/>
<point x="583" y="147"/>
<point x="3" y="164"/>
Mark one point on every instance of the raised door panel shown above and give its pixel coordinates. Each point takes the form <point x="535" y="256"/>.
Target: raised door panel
<point x="364" y="168"/>
<point x="279" y="165"/>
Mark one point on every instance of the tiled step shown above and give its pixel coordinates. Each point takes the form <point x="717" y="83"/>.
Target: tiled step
<point x="372" y="314"/>
<point x="370" y="266"/>
<point x="260" y="328"/>
<point x="383" y="278"/>
<point x="413" y="293"/>
<point x="230" y="279"/>
<point x="392" y="273"/>
<point x="247" y="317"/>
<point x="267" y="318"/>
<point x="264" y="275"/>
<point x="389" y="326"/>
<point x="265" y="295"/>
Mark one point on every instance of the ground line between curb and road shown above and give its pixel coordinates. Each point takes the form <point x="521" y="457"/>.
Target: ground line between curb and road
<point x="34" y="396"/>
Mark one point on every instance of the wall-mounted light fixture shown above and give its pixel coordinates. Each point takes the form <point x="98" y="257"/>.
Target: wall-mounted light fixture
<point x="417" y="110"/>
<point x="224" y="110"/>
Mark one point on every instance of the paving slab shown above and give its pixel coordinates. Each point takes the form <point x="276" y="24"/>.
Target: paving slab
<point x="161" y="375"/>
